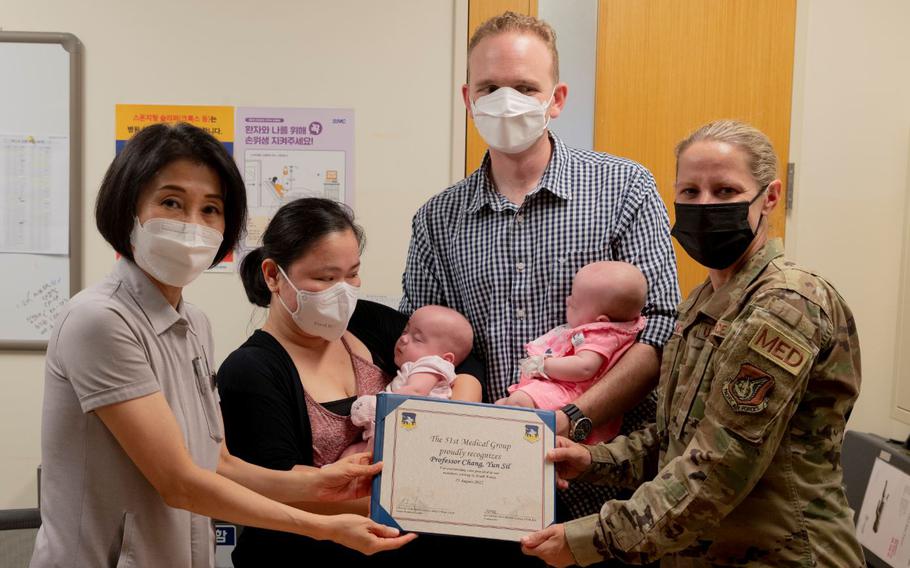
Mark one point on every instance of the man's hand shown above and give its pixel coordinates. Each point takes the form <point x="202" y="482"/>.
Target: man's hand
<point x="550" y="546"/>
<point x="571" y="460"/>
<point x="348" y="478"/>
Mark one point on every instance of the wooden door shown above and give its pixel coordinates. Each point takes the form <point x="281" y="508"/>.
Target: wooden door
<point x="666" y="67"/>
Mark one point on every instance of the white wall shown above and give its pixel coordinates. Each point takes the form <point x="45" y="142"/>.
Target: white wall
<point x="392" y="61"/>
<point x="575" y="23"/>
<point x="851" y="143"/>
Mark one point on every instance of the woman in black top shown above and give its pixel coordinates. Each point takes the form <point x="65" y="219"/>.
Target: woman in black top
<point x="287" y="378"/>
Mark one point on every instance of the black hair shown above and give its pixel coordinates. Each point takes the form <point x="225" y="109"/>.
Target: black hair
<point x="291" y="233"/>
<point x="147" y="153"/>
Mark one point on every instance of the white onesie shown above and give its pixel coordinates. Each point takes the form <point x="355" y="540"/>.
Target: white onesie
<point x="363" y="411"/>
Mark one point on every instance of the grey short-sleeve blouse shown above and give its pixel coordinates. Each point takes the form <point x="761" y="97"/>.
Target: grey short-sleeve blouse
<point x="117" y="341"/>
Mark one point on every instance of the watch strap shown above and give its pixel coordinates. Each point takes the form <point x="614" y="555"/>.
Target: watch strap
<point x="572" y="412"/>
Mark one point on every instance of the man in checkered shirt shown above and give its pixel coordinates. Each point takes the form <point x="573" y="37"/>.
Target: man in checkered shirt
<point x="502" y="245"/>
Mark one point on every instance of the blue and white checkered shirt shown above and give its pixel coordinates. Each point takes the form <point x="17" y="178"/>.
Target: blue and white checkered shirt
<point x="509" y="268"/>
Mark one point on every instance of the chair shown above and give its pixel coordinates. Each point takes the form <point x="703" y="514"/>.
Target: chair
<point x="18" y="528"/>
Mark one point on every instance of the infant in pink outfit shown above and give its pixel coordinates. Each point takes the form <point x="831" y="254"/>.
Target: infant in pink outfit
<point x="435" y="339"/>
<point x="603" y="315"/>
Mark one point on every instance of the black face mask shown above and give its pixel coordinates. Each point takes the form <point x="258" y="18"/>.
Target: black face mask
<point x="715" y="235"/>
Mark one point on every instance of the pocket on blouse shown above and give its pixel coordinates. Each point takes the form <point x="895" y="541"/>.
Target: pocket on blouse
<point x="205" y="386"/>
<point x="669" y="373"/>
<point x="125" y="558"/>
<point x="758" y="381"/>
<point x="681" y="409"/>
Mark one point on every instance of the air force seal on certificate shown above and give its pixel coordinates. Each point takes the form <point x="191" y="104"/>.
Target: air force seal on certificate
<point x="409" y="420"/>
<point x="532" y="432"/>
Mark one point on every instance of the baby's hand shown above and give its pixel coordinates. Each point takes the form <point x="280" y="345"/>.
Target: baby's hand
<point x="533" y="366"/>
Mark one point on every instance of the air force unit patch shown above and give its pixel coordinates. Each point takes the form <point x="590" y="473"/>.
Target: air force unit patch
<point x="748" y="391"/>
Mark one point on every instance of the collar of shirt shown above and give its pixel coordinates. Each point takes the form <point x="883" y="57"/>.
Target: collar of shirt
<point x="714" y="304"/>
<point x="149" y="298"/>
<point x="552" y="180"/>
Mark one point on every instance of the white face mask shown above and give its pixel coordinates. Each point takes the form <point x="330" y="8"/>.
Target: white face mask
<point x="174" y="252"/>
<point x="509" y="121"/>
<point x="324" y="314"/>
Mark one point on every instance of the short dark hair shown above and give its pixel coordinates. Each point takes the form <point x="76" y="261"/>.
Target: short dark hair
<point x="291" y="233"/>
<point x="146" y="154"/>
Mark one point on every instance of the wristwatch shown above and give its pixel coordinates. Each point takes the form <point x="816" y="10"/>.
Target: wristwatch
<point x="579" y="424"/>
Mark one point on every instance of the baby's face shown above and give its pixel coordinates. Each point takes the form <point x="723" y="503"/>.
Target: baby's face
<point x="420" y="338"/>
<point x="581" y="307"/>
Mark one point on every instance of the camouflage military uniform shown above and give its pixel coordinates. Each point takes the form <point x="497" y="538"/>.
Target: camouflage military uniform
<point x="755" y="386"/>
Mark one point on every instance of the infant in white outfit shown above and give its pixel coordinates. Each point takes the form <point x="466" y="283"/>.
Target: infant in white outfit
<point x="435" y="339"/>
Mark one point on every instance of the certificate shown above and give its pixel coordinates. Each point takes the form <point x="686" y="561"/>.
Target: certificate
<point x="462" y="468"/>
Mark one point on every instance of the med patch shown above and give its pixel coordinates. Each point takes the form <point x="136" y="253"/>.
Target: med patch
<point x="747" y="392"/>
<point x="779" y="348"/>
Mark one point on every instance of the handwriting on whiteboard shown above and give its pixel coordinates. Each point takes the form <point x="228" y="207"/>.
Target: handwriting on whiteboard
<point x="42" y="304"/>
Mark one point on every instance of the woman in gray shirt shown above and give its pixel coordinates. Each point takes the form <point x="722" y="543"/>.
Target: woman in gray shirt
<point x="133" y="456"/>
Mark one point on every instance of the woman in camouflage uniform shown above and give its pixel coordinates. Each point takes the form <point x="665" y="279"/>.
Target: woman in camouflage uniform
<point x="756" y="385"/>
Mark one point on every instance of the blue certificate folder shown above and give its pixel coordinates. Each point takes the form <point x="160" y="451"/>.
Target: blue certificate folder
<point x="481" y="453"/>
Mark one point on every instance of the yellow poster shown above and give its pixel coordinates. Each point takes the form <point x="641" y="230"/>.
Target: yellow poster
<point x="216" y="120"/>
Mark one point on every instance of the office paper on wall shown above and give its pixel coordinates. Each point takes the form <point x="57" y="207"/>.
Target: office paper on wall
<point x="288" y="153"/>
<point x="34" y="194"/>
<point x="883" y="525"/>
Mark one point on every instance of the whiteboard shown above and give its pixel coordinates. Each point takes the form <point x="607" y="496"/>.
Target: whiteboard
<point x="40" y="183"/>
